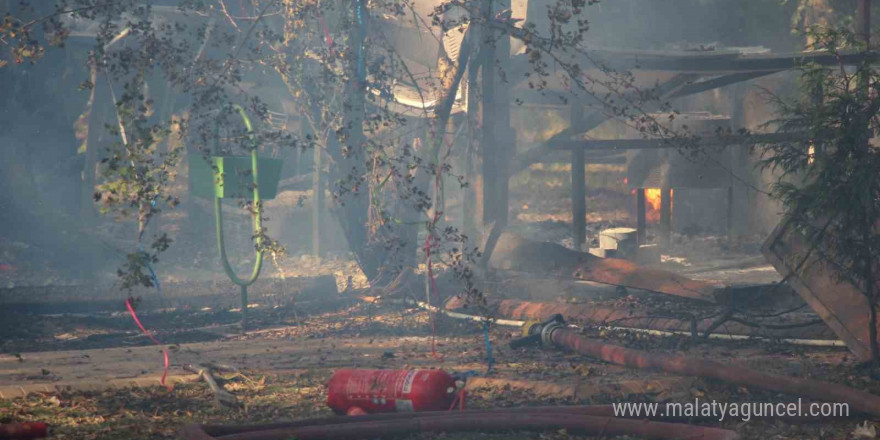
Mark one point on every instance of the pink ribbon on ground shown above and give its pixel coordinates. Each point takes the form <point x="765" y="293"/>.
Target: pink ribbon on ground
<point x="150" y="335"/>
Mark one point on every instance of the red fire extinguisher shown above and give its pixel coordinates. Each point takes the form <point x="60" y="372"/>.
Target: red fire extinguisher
<point x="373" y="391"/>
<point x="19" y="431"/>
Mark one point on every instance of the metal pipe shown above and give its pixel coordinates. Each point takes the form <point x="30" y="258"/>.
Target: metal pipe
<point x="257" y="221"/>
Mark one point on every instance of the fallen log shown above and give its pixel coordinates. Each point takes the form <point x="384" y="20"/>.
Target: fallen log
<point x="513" y="252"/>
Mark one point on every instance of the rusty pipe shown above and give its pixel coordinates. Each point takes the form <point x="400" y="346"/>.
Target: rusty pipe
<point x="481" y="421"/>
<point x="813" y="389"/>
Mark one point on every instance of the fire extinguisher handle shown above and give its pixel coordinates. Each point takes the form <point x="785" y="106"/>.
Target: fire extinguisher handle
<point x="526" y="341"/>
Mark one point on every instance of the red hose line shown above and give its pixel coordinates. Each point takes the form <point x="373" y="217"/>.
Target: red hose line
<point x="25" y="430"/>
<point x="155" y="341"/>
<point x="222" y="430"/>
<point x="858" y="400"/>
<point x="475" y="421"/>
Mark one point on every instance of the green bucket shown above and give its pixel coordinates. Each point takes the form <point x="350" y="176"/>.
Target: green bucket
<point x="234" y="179"/>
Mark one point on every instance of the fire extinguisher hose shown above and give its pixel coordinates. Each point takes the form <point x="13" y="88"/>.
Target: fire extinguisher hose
<point x="587" y="420"/>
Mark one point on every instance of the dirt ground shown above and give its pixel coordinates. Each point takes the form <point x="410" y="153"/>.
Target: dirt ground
<point x="94" y="375"/>
<point x="113" y="392"/>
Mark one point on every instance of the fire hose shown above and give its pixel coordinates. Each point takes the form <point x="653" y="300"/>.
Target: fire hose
<point x="554" y="333"/>
<point x="587" y="420"/>
<point x="720" y="336"/>
<point x="21" y="431"/>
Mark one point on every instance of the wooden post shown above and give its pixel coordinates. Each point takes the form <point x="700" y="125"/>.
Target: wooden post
<point x="739" y="164"/>
<point x="578" y="185"/>
<point x="665" y="215"/>
<point x="640" y="216"/>
<point x="730" y="210"/>
<point x="863" y="22"/>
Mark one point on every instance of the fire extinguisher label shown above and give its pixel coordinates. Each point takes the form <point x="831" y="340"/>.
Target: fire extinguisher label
<point x="404" y="405"/>
<point x="408" y="383"/>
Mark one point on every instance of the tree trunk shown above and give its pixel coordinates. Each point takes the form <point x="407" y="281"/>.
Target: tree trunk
<point x="487" y="116"/>
<point x="353" y="214"/>
<point x="863" y="34"/>
<point x="870" y="284"/>
<point x="473" y="197"/>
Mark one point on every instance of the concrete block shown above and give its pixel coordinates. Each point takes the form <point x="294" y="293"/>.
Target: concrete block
<point x="604" y="253"/>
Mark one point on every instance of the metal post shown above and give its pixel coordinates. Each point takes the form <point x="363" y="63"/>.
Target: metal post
<point x="578" y="198"/>
<point x="257" y="223"/>
<point x="578" y="185"/>
<point x="640" y="216"/>
<point x="665" y="215"/>
<point x="244" y="307"/>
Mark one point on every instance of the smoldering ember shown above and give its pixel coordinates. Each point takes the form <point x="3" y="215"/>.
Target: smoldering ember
<point x="439" y="219"/>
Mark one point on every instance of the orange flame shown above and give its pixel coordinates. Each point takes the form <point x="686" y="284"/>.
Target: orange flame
<point x="652" y="197"/>
<point x="652" y="204"/>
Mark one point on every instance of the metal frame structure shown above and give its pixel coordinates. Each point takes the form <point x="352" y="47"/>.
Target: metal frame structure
<point x="696" y="72"/>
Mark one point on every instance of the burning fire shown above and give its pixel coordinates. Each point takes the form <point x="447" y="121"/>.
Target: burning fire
<point x="652" y="197"/>
<point x="652" y="204"/>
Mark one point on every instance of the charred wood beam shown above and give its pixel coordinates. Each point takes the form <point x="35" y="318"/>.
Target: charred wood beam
<point x="718" y="82"/>
<point x="705" y="62"/>
<point x="561" y="98"/>
<point x="598" y="116"/>
<point x="643" y="144"/>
